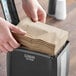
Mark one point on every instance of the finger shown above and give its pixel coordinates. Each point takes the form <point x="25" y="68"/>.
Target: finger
<point x="8" y="47"/>
<point x="2" y="49"/>
<point x="34" y="15"/>
<point x="17" y="30"/>
<point x="27" y="12"/>
<point x="41" y="15"/>
<point x="13" y="43"/>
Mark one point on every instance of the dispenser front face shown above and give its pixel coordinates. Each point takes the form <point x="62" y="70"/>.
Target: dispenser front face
<point x="22" y="62"/>
<point x="26" y="63"/>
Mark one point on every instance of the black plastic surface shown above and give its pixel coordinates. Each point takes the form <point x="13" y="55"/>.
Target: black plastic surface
<point x="51" y="7"/>
<point x="20" y="63"/>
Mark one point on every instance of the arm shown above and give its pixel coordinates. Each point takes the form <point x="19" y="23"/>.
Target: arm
<point x="34" y="10"/>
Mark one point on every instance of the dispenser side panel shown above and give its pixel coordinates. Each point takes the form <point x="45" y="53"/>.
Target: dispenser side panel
<point x="27" y="63"/>
<point x="63" y="62"/>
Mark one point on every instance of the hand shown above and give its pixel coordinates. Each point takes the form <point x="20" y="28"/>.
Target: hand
<point x="7" y="41"/>
<point x="33" y="10"/>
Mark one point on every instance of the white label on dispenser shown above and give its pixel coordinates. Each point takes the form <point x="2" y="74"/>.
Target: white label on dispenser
<point x="29" y="57"/>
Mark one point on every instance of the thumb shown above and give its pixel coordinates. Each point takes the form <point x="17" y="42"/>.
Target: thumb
<point x="34" y="15"/>
<point x="17" y="30"/>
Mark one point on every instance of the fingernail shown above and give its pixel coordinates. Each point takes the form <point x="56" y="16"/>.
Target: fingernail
<point x="35" y="19"/>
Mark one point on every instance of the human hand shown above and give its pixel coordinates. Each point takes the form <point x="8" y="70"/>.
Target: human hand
<point x="34" y="10"/>
<point x="7" y="41"/>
